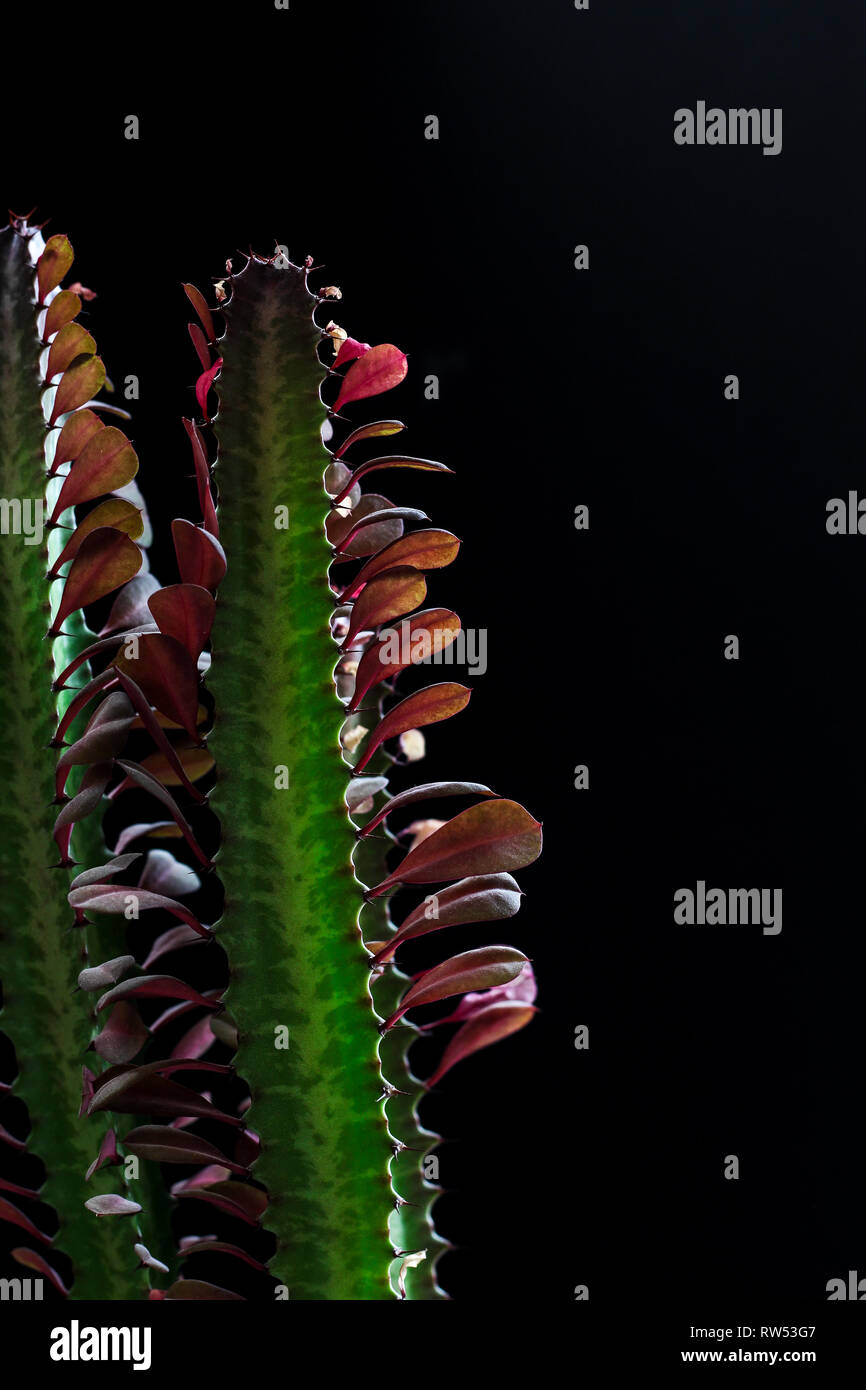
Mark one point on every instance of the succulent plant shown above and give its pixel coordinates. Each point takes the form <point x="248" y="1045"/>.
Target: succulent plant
<point x="256" y="691"/>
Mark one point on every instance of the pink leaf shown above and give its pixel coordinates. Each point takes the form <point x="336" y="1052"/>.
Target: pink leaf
<point x="383" y="367"/>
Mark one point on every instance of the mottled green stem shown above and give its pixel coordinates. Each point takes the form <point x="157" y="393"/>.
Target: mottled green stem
<point x="40" y="953"/>
<point x="291" y="917"/>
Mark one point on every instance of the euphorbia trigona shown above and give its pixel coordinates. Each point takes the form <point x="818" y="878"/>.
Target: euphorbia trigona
<point x="264" y="673"/>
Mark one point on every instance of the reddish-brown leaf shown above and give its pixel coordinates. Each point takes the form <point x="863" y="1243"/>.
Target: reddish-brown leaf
<point x="200" y="557"/>
<point x="9" y="1212"/>
<point x="388" y="461"/>
<point x="114" y="512"/>
<point x="197" y="300"/>
<point x="123" y="1035"/>
<point x="338" y="525"/>
<point x="199" y="342"/>
<point x="167" y="674"/>
<point x="81" y="426"/>
<point x="492" y="837"/>
<point x="484" y="968"/>
<point x="427" y="706"/>
<point x="63" y="308"/>
<point x="419" y="637"/>
<point x="234" y="1198"/>
<point x="186" y="613"/>
<point x="31" y="1260"/>
<point x="202" y="473"/>
<point x="106" y="462"/>
<point x="108" y="1154"/>
<point x="130" y="607"/>
<point x="77" y="385"/>
<point x="163" y="1144"/>
<point x="147" y="783"/>
<point x="72" y="341"/>
<point x="358" y="538"/>
<point x="154" y="987"/>
<point x="389" y="596"/>
<point x="488" y="1026"/>
<point x="106" y="898"/>
<point x="484" y="898"/>
<point x="377" y="429"/>
<point x="105" y="560"/>
<point x="422" y="550"/>
<point x="198" y="1289"/>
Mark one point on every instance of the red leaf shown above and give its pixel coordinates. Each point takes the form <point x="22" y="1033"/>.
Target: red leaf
<point x="106" y="898"/>
<point x="485" y="839"/>
<point x="200" y="557"/>
<point x="30" y="1260"/>
<point x="130" y="607"/>
<point x="497" y="1021"/>
<point x="157" y="1095"/>
<point x="155" y="987"/>
<point x="427" y="706"/>
<point x="387" y="529"/>
<point x="10" y="1213"/>
<point x="238" y="1199"/>
<point x="163" y="1144"/>
<point x="204" y="384"/>
<point x="186" y="613"/>
<point x="106" y="462"/>
<point x="389" y="461"/>
<point x="523" y="989"/>
<point x="389" y="596"/>
<point x="150" y="722"/>
<point x="375" y="430"/>
<point x="428" y="791"/>
<point x="53" y="264"/>
<point x="419" y="637"/>
<point x="348" y="548"/>
<point x="484" y="968"/>
<point x="422" y="550"/>
<point x="147" y="783"/>
<point x="378" y="370"/>
<point x="350" y="348"/>
<point x="123" y="1035"/>
<point x="108" y="1154"/>
<point x="218" y="1247"/>
<point x="167" y="674"/>
<point x="175" y="939"/>
<point x="198" y="1289"/>
<point x="106" y="559"/>
<point x="79" y="384"/>
<point x="202" y="474"/>
<point x="197" y="300"/>
<point x="199" y="342"/>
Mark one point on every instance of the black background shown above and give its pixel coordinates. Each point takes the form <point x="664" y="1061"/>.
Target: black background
<point x="561" y="387"/>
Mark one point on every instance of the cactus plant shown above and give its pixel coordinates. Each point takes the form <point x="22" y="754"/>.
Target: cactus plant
<point x="259" y="688"/>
